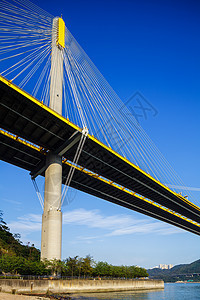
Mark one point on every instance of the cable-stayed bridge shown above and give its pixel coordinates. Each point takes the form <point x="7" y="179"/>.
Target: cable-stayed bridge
<point x="63" y="129"/>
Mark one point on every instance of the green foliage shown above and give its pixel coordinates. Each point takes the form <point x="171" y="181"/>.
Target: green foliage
<point x="55" y="266"/>
<point x="86" y="267"/>
<point x="11" y="244"/>
<point x="103" y="269"/>
<point x="22" y="266"/>
<point x="72" y="265"/>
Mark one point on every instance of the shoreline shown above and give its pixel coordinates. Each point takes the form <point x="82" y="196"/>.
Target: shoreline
<point x="9" y="296"/>
<point x="68" y="296"/>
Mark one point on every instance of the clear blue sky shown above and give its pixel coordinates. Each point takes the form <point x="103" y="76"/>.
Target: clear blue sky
<point x="147" y="46"/>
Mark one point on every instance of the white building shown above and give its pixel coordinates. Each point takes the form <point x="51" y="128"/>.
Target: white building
<point x="167" y="267"/>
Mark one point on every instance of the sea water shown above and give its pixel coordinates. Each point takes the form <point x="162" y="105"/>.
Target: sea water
<point x="172" y="291"/>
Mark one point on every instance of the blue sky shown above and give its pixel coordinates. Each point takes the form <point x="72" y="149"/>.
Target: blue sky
<point x="147" y="46"/>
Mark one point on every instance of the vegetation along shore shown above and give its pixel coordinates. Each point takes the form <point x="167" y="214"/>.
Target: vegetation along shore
<point x="24" y="260"/>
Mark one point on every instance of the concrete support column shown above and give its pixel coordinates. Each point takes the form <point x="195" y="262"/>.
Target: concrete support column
<point x="52" y="216"/>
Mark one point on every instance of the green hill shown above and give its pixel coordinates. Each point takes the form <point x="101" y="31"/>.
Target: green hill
<point x="11" y="245"/>
<point x="16" y="258"/>
<point x="180" y="272"/>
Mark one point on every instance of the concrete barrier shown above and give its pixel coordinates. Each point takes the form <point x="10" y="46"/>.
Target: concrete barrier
<point x="77" y="286"/>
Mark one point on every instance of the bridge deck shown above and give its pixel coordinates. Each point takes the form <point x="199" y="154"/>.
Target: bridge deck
<point x="28" y="119"/>
<point x="22" y="154"/>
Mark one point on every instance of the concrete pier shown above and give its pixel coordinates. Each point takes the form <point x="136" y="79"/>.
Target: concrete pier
<point x="52" y="216"/>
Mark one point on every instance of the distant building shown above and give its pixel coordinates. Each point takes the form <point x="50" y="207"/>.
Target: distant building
<point x="167" y="267"/>
<point x="170" y="266"/>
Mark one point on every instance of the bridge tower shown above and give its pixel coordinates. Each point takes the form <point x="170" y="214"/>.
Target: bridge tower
<point x="52" y="216"/>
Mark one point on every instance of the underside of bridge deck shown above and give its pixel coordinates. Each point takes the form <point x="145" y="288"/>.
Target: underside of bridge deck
<point x="29" y="130"/>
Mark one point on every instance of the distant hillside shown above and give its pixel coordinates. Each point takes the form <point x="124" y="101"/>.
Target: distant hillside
<point x="179" y="272"/>
<point x="10" y="244"/>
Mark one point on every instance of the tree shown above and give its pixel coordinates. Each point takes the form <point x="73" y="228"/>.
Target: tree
<point x="3" y="224"/>
<point x="79" y="266"/>
<point x="103" y="269"/>
<point x="71" y="265"/>
<point x="87" y="265"/>
<point x="56" y="266"/>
